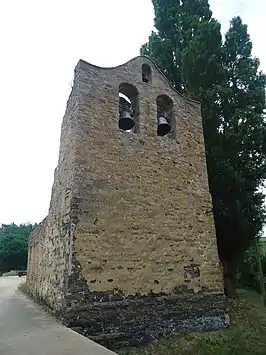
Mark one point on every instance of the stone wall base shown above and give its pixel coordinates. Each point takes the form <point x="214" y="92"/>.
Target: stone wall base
<point x="139" y="320"/>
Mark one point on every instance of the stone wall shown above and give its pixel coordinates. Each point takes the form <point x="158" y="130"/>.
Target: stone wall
<point x="50" y="248"/>
<point x="117" y="321"/>
<point x="130" y="236"/>
<point x="145" y="231"/>
<point x="145" y="220"/>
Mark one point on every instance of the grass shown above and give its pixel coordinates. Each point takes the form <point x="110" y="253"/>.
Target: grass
<point x="23" y="287"/>
<point x="246" y="335"/>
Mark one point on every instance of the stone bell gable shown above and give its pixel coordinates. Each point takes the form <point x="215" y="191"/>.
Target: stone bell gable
<point x="129" y="245"/>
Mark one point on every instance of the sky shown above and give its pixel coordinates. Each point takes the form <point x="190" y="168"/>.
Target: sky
<point x="40" y="45"/>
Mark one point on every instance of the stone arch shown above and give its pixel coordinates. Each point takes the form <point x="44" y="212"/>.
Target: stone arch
<point x="165" y="115"/>
<point x="128" y="102"/>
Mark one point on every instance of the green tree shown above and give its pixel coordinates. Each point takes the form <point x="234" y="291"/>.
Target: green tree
<point x="14" y="246"/>
<point x="180" y="24"/>
<point x="239" y="169"/>
<point x="188" y="48"/>
<point x="248" y="270"/>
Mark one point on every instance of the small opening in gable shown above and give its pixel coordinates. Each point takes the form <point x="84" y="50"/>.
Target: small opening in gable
<point x="146" y="73"/>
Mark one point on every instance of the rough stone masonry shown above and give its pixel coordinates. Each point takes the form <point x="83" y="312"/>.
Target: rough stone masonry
<point x="128" y="251"/>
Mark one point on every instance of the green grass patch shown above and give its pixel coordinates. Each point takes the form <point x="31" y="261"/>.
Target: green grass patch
<point x="23" y="287"/>
<point x="246" y="335"/>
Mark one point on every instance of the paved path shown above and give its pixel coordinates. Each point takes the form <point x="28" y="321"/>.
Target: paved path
<point x="25" y="329"/>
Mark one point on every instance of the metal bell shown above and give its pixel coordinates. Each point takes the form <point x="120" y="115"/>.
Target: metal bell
<point x="163" y="127"/>
<point x="125" y="121"/>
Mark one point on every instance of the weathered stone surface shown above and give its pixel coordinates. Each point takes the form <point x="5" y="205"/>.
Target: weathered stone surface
<point x="130" y="215"/>
<point x="140" y="319"/>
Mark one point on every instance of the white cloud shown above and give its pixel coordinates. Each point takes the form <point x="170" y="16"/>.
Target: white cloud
<point x="41" y="42"/>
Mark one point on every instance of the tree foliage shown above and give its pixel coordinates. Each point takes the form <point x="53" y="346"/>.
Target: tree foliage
<point x="248" y="274"/>
<point x="239" y="211"/>
<point x="187" y="46"/>
<point x="14" y="246"/>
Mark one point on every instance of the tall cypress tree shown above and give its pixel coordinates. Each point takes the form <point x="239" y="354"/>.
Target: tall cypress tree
<point x="188" y="48"/>
<point x="240" y="168"/>
<point x="177" y="23"/>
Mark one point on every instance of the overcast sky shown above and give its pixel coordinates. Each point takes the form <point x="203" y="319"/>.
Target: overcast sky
<point x="41" y="42"/>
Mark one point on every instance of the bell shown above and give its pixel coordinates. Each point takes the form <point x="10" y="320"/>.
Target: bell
<point x="163" y="127"/>
<point x="125" y="121"/>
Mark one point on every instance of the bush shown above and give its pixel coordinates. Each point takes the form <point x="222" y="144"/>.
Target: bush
<point x="248" y="276"/>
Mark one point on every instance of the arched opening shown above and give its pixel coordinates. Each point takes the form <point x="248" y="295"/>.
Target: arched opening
<point x="128" y="108"/>
<point x="146" y="73"/>
<point x="165" y="119"/>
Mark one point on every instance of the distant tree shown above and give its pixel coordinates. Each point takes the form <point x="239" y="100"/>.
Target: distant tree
<point x="248" y="271"/>
<point x="188" y="48"/>
<point x="14" y="246"/>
